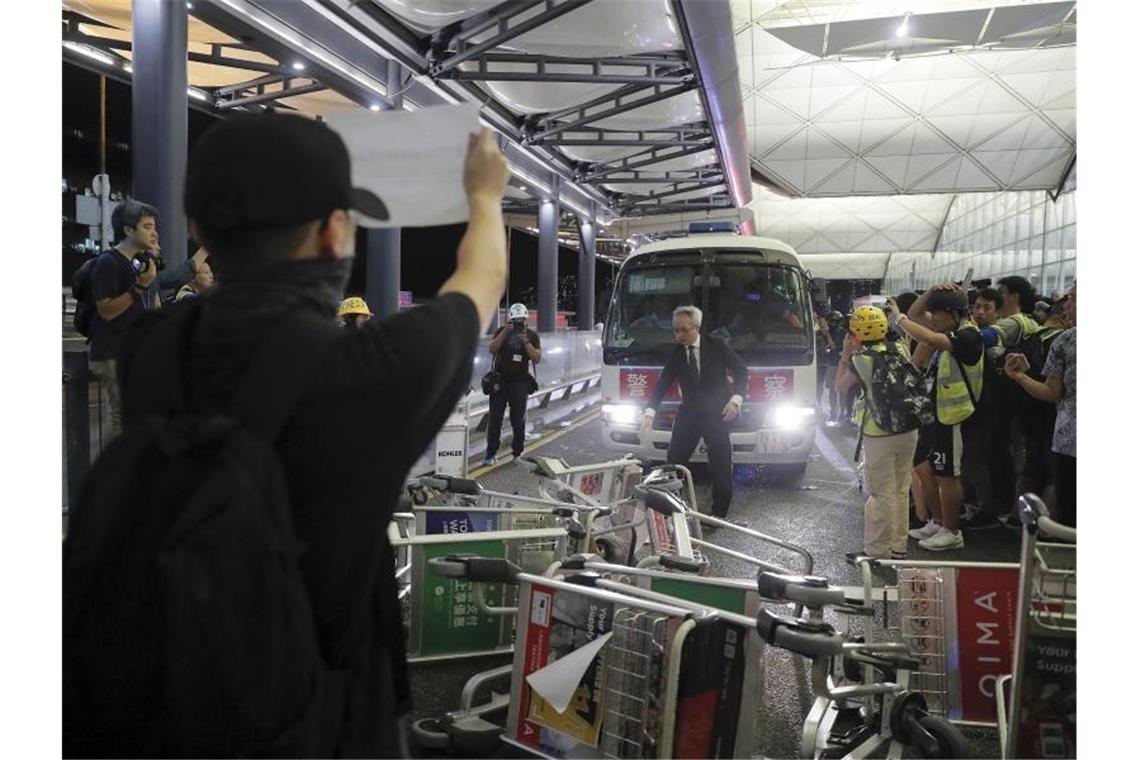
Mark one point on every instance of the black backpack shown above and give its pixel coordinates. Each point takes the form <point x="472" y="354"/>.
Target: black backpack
<point x="1036" y="350"/>
<point x="897" y="400"/>
<point x="187" y="630"/>
<point x="81" y="291"/>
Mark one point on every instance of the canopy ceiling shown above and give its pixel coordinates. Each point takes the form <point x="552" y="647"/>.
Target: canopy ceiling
<point x="947" y="116"/>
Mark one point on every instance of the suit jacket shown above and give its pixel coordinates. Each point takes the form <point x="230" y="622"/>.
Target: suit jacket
<point x="712" y="391"/>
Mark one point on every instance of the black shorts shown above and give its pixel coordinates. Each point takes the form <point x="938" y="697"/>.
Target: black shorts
<point x="941" y="445"/>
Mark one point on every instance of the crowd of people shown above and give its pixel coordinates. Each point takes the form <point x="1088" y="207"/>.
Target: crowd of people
<point x="963" y="401"/>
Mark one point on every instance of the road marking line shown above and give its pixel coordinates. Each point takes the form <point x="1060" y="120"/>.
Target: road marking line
<point x="549" y="437"/>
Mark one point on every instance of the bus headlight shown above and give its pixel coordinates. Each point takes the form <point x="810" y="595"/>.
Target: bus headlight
<point x="790" y="416"/>
<point x="622" y="414"/>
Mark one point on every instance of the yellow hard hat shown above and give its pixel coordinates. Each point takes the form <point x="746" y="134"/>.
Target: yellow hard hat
<point x="354" y="305"/>
<point x="868" y="323"/>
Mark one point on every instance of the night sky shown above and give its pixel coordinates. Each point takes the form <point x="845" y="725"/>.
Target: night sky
<point x="427" y="254"/>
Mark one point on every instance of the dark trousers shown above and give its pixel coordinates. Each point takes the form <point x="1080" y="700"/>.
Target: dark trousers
<point x="1065" y="486"/>
<point x="692" y="425"/>
<point x="1037" y="474"/>
<point x="513" y="392"/>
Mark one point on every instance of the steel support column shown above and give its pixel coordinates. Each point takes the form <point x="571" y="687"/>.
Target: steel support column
<point x="382" y="270"/>
<point x="159" y="117"/>
<point x="548" y="262"/>
<point x="587" y="233"/>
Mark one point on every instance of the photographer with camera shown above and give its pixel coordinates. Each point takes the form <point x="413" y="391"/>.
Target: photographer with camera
<point x="515" y="347"/>
<point x="120" y="283"/>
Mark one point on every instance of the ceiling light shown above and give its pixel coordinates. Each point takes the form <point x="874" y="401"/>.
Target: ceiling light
<point x="298" y="66"/>
<point x="90" y="53"/>
<point x="374" y="107"/>
<point x="128" y="68"/>
<point x="189" y="6"/>
<point x="197" y="94"/>
<point x="902" y="31"/>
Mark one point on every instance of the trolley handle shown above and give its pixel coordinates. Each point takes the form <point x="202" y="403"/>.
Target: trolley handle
<point x="809" y="590"/>
<point x="540" y="466"/>
<point x="474" y="568"/>
<point x="659" y="501"/>
<point x="1035" y="517"/>
<point x="681" y="564"/>
<point x="448" y="483"/>
<point x="666" y="478"/>
<point x="809" y="638"/>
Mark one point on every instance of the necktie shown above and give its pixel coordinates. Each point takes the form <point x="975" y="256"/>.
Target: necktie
<point x="693" y="363"/>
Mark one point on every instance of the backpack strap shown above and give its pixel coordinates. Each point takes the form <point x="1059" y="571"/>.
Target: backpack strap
<point x="280" y="372"/>
<point x="966" y="381"/>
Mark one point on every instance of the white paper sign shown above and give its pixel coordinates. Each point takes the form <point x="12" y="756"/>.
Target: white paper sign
<point x="413" y="160"/>
<point x="557" y="682"/>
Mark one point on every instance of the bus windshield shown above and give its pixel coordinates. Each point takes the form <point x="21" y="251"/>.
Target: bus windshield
<point x="761" y="309"/>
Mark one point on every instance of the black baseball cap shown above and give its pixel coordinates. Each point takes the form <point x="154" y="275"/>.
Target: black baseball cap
<point x="268" y="171"/>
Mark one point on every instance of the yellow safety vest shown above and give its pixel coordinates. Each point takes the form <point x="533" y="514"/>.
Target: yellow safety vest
<point x="864" y="367"/>
<point x="952" y="398"/>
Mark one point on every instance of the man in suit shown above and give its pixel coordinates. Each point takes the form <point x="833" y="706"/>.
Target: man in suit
<point x="701" y="365"/>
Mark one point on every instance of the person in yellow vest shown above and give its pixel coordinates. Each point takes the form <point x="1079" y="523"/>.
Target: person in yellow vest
<point x="354" y="312"/>
<point x="940" y="319"/>
<point x="887" y="455"/>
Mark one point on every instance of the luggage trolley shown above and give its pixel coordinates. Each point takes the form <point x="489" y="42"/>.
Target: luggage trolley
<point x="1042" y="715"/>
<point x="957" y="617"/>
<point x="449" y="619"/>
<point x="605" y="482"/>
<point x="668" y="679"/>
<point x="676" y="532"/>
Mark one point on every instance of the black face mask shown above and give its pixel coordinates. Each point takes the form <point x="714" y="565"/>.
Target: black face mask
<point x="282" y="285"/>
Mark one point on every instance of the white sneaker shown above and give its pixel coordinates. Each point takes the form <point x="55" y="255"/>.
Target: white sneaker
<point x="943" y="540"/>
<point x="926" y="531"/>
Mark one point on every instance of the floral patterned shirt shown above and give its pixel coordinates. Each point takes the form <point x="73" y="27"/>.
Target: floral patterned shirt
<point x="1062" y="363"/>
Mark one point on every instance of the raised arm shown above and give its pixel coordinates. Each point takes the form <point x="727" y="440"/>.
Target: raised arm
<point x="481" y="271"/>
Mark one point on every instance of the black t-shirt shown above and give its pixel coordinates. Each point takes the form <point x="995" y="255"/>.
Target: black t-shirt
<point x="511" y="359"/>
<point x="372" y="409"/>
<point x="112" y="276"/>
<point x="966" y="346"/>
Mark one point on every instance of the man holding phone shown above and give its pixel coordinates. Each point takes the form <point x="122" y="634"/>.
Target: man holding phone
<point x="515" y="347"/>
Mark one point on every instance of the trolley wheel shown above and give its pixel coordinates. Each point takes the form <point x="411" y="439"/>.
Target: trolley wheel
<point x="948" y="739"/>
<point x="430" y="733"/>
<point x="474" y="737"/>
<point x="608" y="551"/>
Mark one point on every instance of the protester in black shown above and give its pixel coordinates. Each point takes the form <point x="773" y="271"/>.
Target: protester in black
<point x="281" y="240"/>
<point x="516" y="349"/>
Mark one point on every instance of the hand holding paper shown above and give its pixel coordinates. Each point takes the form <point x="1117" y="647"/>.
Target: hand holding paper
<point x="415" y="161"/>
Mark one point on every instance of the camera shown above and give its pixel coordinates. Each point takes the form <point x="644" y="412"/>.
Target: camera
<point x="139" y="261"/>
<point x="519" y="325"/>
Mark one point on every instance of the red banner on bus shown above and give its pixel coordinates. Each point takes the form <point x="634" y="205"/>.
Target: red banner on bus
<point x="764" y="384"/>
